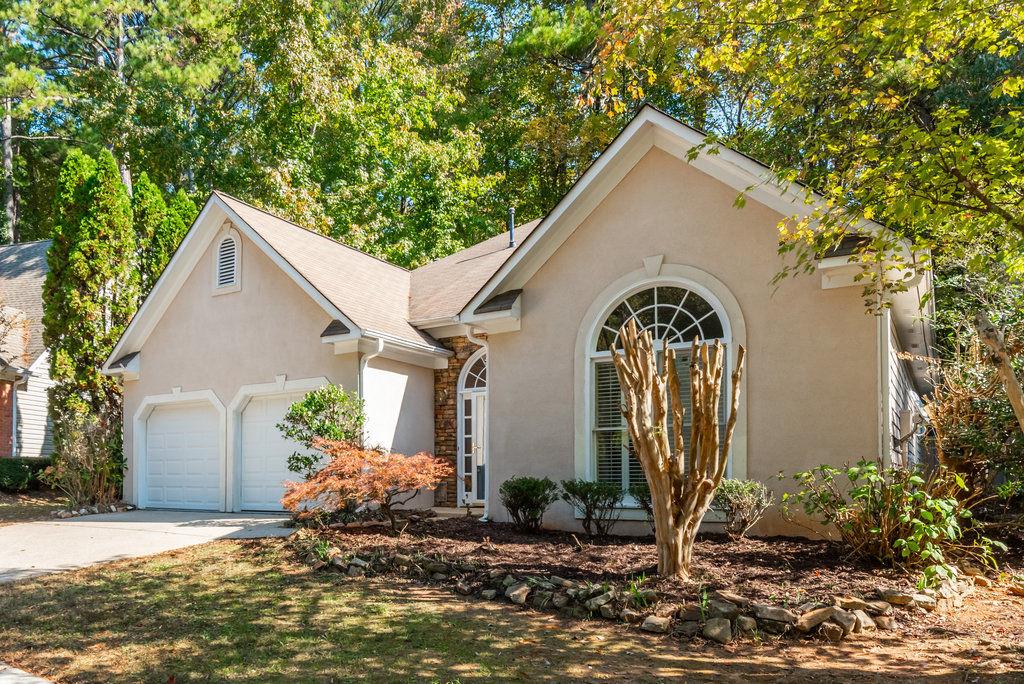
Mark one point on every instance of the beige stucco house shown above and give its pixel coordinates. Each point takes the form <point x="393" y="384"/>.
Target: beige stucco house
<point x="497" y="357"/>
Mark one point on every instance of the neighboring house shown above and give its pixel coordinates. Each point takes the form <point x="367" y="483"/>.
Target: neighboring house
<point x="25" y="428"/>
<point x="497" y="357"/>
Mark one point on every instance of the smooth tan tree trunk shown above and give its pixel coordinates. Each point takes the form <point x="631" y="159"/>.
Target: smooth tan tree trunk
<point x="992" y="337"/>
<point x="680" y="497"/>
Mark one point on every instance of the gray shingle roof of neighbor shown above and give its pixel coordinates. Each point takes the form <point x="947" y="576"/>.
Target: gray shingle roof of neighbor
<point x="376" y="295"/>
<point x="23" y="270"/>
<point x="442" y="288"/>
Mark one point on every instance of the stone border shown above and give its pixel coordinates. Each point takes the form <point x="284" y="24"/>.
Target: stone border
<point x="721" y="616"/>
<point x="91" y="510"/>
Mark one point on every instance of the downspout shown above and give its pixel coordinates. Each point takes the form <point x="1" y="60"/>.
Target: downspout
<point x="363" y="360"/>
<point x="487" y="351"/>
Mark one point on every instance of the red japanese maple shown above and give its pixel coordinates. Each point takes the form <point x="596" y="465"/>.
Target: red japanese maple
<point x="365" y="476"/>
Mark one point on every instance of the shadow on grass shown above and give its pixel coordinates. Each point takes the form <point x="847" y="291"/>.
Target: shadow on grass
<point x="240" y="611"/>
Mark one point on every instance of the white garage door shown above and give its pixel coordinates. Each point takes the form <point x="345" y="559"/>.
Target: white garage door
<point x="265" y="452"/>
<point x="183" y="457"/>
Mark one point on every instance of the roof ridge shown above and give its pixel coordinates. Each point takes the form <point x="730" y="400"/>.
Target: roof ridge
<point x="310" y="231"/>
<point x="535" y="221"/>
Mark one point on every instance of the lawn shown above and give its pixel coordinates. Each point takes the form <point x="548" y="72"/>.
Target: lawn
<point x="245" y="611"/>
<point x="34" y="505"/>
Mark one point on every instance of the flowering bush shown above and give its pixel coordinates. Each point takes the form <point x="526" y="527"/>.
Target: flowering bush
<point x="360" y="477"/>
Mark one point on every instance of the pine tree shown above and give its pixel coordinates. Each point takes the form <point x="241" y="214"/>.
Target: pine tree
<point x="91" y="291"/>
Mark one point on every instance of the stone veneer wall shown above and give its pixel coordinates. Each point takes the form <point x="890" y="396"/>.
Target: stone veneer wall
<point x="446" y="396"/>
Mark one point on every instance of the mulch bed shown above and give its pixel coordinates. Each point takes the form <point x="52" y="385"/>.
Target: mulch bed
<point x="780" y="570"/>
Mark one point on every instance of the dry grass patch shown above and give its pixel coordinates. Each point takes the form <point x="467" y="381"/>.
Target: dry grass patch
<point x="23" y="507"/>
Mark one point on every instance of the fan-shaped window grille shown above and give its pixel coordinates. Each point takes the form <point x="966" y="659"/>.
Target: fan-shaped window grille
<point x="227" y="262"/>
<point x="476" y="375"/>
<point x="673" y="314"/>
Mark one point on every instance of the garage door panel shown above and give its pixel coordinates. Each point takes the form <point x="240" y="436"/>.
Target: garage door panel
<point x="183" y="462"/>
<point x="264" y="453"/>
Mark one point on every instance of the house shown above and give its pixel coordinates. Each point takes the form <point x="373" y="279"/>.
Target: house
<point x="497" y="357"/>
<point x="25" y="428"/>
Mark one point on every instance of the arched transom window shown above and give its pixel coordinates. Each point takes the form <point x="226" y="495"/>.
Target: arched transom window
<point x="674" y="314"/>
<point x="476" y="375"/>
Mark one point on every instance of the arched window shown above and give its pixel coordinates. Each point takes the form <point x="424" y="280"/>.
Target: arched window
<point x="472" y="417"/>
<point x="226" y="268"/>
<point x="476" y="374"/>
<point x="674" y="314"/>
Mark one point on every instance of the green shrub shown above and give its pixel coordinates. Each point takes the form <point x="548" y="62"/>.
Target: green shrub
<point x="743" y="502"/>
<point x="15" y="475"/>
<point x="597" y="502"/>
<point x="897" y="516"/>
<point x="526" y="499"/>
<point x="327" y="413"/>
<point x="641" y="493"/>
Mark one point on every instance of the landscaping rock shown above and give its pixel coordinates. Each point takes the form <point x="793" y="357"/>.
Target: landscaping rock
<point x="831" y="631"/>
<point x="925" y="601"/>
<point x="402" y="561"/>
<point x="775" y="613"/>
<point x="439" y="577"/>
<point x="645" y="597"/>
<point x="745" y="624"/>
<point x="896" y="597"/>
<point x="608" y="612"/>
<point x="463" y="588"/>
<point x="359" y="563"/>
<point x="887" y="622"/>
<point x="355" y="571"/>
<point x="864" y="622"/>
<point x="631" y="616"/>
<point x="718" y="629"/>
<point x="496" y="573"/>
<point x="809" y="606"/>
<point x="773" y="627"/>
<point x="689" y="612"/>
<point x="1016" y="589"/>
<point x="319" y="564"/>
<point x="508" y="581"/>
<point x="732" y="597"/>
<point x="517" y="593"/>
<point x="339" y="561"/>
<point x="851" y="603"/>
<point x="719" y="608"/>
<point x="656" y="624"/>
<point x="560" y="600"/>
<point x="598" y="601"/>
<point x="879" y="608"/>
<point x="812" y="618"/>
<point x="488" y="594"/>
<point x="845" y="619"/>
<point x="541" y="598"/>
<point x="689" y="628"/>
<point x="560" y="582"/>
<point x="982" y="581"/>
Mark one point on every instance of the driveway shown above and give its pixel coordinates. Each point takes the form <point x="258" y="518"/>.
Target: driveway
<point x="36" y="548"/>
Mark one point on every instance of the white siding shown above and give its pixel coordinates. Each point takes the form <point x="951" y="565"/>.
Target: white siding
<point x="35" y="432"/>
<point x="902" y="397"/>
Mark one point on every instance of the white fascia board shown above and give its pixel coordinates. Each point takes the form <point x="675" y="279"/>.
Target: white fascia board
<point x="204" y="229"/>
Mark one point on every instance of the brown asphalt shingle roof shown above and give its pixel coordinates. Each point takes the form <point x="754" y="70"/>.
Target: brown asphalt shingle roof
<point x="23" y="270"/>
<point x="442" y="288"/>
<point x="376" y="295"/>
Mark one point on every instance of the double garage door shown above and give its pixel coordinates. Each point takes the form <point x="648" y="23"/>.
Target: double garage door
<point x="185" y="467"/>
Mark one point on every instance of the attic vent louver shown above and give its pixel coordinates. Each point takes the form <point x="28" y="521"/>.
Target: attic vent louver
<point x="227" y="263"/>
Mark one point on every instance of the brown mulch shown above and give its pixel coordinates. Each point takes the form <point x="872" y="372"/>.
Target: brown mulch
<point x="780" y="570"/>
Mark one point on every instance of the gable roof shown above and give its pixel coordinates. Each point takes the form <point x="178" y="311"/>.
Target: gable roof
<point x="23" y="270"/>
<point x="442" y="288"/>
<point x="372" y="293"/>
<point x="649" y="128"/>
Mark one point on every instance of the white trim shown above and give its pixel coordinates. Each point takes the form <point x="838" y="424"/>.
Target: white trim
<point x="140" y="418"/>
<point x="883" y="344"/>
<point x="649" y="128"/>
<point x="243" y="396"/>
<point x="227" y="233"/>
<point x="689" y="277"/>
<point x="460" y="394"/>
<point x="199" y="237"/>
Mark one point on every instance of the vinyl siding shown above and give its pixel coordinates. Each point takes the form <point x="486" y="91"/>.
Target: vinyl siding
<point x="902" y="397"/>
<point x="35" y="432"/>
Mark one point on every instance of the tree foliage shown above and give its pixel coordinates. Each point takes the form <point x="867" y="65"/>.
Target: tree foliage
<point x="328" y="413"/>
<point x="90" y="292"/>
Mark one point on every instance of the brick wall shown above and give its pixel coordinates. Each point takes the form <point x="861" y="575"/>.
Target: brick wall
<point x="446" y="396"/>
<point x="6" y="425"/>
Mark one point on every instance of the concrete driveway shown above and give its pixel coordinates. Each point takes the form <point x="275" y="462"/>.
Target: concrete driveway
<point x="36" y="548"/>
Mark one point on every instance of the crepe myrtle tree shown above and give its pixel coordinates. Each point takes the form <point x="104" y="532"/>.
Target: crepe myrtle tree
<point x="681" y="494"/>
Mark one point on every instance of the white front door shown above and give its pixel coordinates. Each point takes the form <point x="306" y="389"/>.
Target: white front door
<point x="473" y="448"/>
<point x="183" y="460"/>
<point x="264" y="453"/>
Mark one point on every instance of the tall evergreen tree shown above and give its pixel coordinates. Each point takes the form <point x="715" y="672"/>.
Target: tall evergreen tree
<point x="91" y="290"/>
